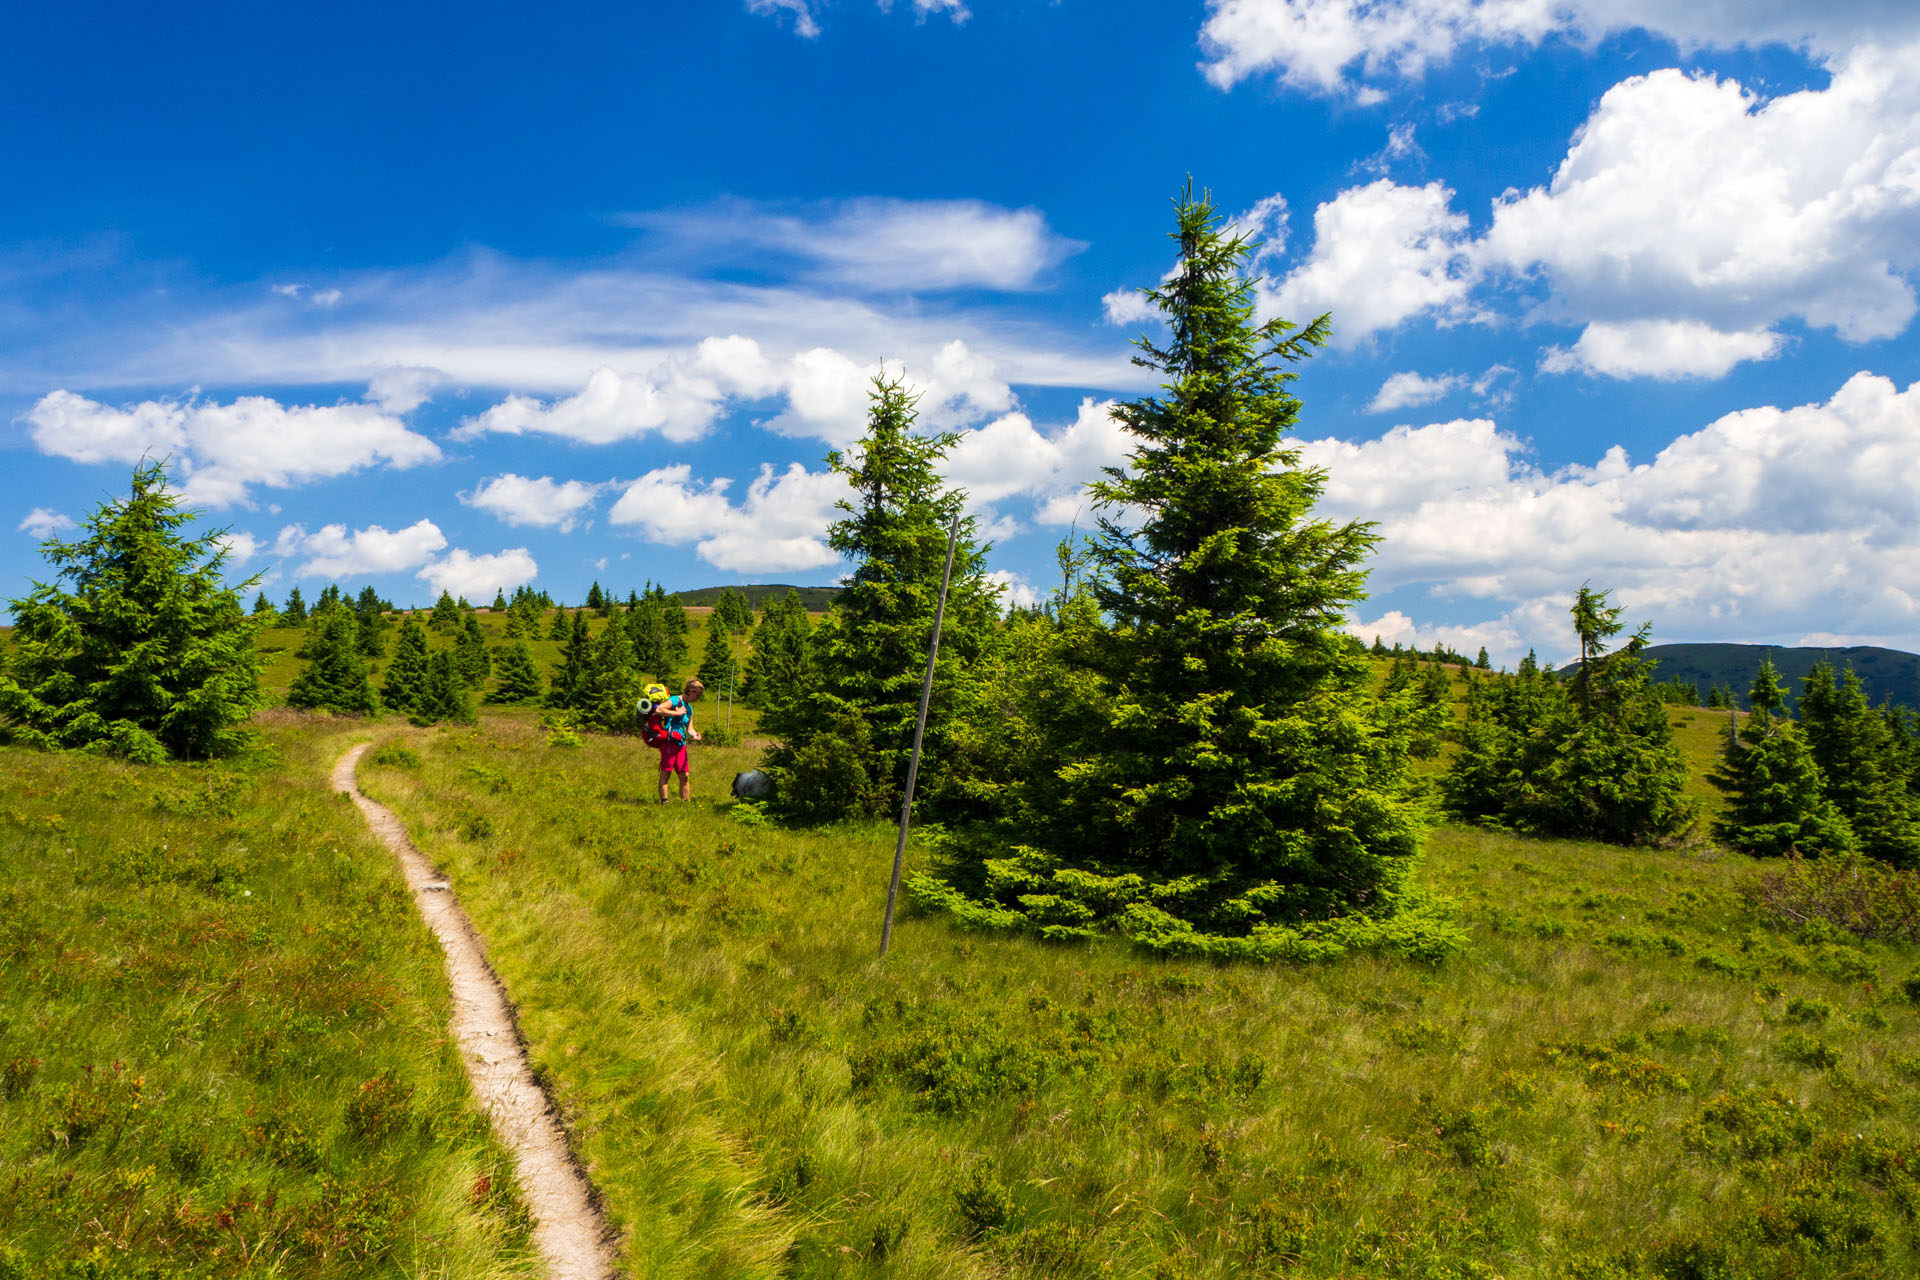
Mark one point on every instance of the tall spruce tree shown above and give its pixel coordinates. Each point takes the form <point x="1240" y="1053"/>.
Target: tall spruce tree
<point x="843" y="740"/>
<point x="610" y="685"/>
<point x="1776" y="803"/>
<point x="406" y="679"/>
<point x="647" y="633"/>
<point x="149" y="654"/>
<point x="1236" y="775"/>
<point x="499" y="604"/>
<point x="263" y="611"/>
<point x="295" y="614"/>
<point x="576" y="659"/>
<point x="777" y="664"/>
<point x="677" y="630"/>
<point x="1861" y="767"/>
<point x="516" y="679"/>
<point x="336" y="677"/>
<point x="470" y="653"/>
<point x="562" y="627"/>
<point x="719" y="665"/>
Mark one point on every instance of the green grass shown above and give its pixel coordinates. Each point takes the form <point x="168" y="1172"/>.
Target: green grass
<point x="223" y="1041"/>
<point x="1626" y="1074"/>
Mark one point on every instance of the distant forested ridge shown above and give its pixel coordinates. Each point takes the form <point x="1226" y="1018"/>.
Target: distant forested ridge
<point x="1885" y="673"/>
<point x="817" y="599"/>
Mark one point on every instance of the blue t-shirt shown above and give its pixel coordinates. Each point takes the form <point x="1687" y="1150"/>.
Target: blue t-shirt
<point x="677" y="716"/>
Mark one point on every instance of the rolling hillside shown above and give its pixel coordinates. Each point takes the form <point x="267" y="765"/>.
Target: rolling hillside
<point x="1886" y="673"/>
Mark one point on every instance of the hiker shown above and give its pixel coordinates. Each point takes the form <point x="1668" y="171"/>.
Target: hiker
<point x="668" y="729"/>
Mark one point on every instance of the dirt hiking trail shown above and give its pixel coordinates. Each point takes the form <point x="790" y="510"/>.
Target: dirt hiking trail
<point x="568" y="1231"/>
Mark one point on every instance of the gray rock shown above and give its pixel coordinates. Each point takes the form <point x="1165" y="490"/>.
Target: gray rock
<point x="752" y="785"/>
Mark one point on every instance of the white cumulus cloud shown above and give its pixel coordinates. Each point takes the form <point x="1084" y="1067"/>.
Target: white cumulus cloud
<point x="1689" y="200"/>
<point x="781" y="525"/>
<point x="1345" y="47"/>
<point x="1741" y="530"/>
<point x="334" y="552"/>
<point x="544" y="502"/>
<point x="1660" y="349"/>
<point x="1382" y="254"/>
<point x="1402" y="390"/>
<point x="478" y="577"/>
<point x="44" y="522"/>
<point x="223" y="450"/>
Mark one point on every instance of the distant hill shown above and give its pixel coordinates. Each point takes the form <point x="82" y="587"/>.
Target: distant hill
<point x="1885" y="673"/>
<point x="817" y="599"/>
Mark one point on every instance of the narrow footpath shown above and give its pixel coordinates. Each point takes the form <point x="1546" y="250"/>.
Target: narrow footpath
<point x="568" y="1230"/>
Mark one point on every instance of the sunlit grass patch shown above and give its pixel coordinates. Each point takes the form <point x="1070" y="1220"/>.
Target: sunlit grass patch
<point x="756" y="1094"/>
<point x="204" y="970"/>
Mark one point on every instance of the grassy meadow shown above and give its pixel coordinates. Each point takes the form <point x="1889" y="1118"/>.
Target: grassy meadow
<point x="1626" y="1075"/>
<point x="223" y="1046"/>
<point x="223" y="1038"/>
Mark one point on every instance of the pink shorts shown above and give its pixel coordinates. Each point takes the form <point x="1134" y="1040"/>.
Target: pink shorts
<point x="673" y="757"/>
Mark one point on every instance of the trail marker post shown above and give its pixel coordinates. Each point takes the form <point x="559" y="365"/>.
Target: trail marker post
<point x="919" y="732"/>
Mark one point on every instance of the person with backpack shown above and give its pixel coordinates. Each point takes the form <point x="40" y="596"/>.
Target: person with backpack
<point x="668" y="729"/>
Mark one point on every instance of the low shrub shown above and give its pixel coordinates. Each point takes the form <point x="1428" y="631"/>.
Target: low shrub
<point x="392" y="755"/>
<point x="1856" y="894"/>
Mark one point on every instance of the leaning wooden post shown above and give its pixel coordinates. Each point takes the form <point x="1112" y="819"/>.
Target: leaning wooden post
<point x="919" y="731"/>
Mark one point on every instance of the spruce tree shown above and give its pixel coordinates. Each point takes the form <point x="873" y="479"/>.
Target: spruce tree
<point x="647" y="633"/>
<point x="1236" y="776"/>
<point x="677" y="630"/>
<point x="610" y="686"/>
<point x="1481" y="661"/>
<point x="576" y="658"/>
<point x="263" y="611"/>
<point x="1861" y="768"/>
<point x="499" y="604"/>
<point x="443" y="694"/>
<point x="596" y="599"/>
<point x="1593" y="757"/>
<point x="407" y="674"/>
<point x="515" y="628"/>
<point x="149" y="654"/>
<point x="734" y="611"/>
<point x="1776" y="803"/>
<point x="295" y="614"/>
<point x="446" y="614"/>
<point x="717" y="661"/>
<point x="370" y="635"/>
<point x="470" y="654"/>
<point x="562" y="627"/>
<point x="862" y="693"/>
<point x="336" y="677"/>
<point x="777" y="664"/>
<point x="517" y="680"/>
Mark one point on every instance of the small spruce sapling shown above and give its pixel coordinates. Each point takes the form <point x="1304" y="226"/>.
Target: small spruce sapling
<point x="517" y="681"/>
<point x="336" y="678"/>
<point x="470" y="652"/>
<point x="407" y="674"/>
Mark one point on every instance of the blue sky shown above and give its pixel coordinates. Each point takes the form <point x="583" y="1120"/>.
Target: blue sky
<point x="494" y="296"/>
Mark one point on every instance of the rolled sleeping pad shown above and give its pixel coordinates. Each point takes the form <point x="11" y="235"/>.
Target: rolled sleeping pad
<point x="752" y="785"/>
<point x="644" y="706"/>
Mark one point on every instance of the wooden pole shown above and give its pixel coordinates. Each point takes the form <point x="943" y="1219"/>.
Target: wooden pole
<point x="919" y="732"/>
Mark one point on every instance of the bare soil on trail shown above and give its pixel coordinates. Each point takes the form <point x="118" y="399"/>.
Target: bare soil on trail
<point x="569" y="1230"/>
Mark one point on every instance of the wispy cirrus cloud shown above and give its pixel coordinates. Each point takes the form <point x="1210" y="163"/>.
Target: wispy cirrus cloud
<point x="873" y="245"/>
